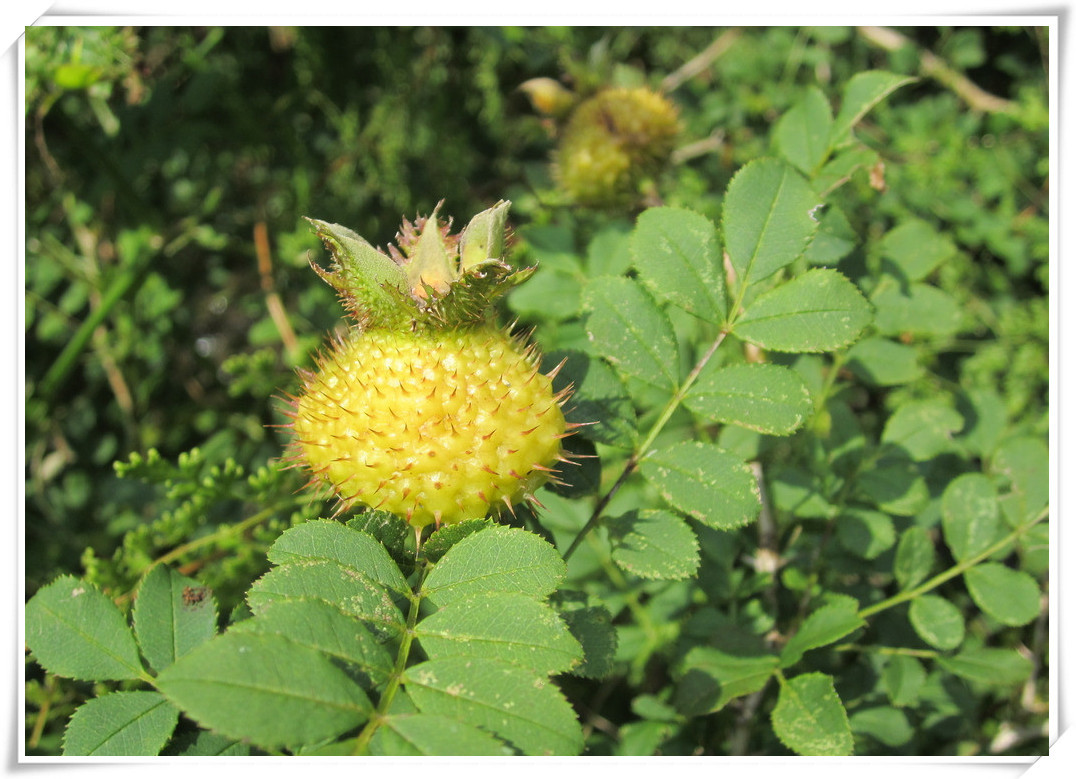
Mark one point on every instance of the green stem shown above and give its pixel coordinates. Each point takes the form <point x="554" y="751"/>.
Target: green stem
<point x="643" y="450"/>
<point x="362" y="741"/>
<point x="955" y="571"/>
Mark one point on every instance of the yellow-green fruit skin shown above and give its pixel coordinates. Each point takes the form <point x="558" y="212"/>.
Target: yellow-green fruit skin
<point x="437" y="427"/>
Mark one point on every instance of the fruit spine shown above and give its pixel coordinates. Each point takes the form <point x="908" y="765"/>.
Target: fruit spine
<point x="427" y="408"/>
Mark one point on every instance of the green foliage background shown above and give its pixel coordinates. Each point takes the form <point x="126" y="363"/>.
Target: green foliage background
<point x="168" y="297"/>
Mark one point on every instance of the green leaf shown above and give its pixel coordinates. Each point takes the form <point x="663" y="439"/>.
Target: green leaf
<point x="514" y="703"/>
<point x="75" y="630"/>
<point x="599" y="398"/>
<point x="802" y="135"/>
<point x="172" y="615"/>
<point x="653" y="544"/>
<point x="265" y="688"/>
<point x="206" y="744"/>
<point x="884" y="723"/>
<point x="324" y="539"/>
<point x="970" y="519"/>
<point x="321" y="626"/>
<point x="345" y="588"/>
<point x="678" y="256"/>
<point x="916" y="248"/>
<point x="921" y="310"/>
<point x="990" y="666"/>
<point x="505" y="626"/>
<point x="862" y="92"/>
<point x="390" y="531"/>
<point x="834" y="240"/>
<point x="709" y="484"/>
<point x="444" y="538"/>
<point x="552" y="294"/>
<point x="883" y="362"/>
<point x="839" y="170"/>
<point x="915" y="557"/>
<point x="609" y="251"/>
<point x="502" y="559"/>
<point x="431" y="735"/>
<point x="865" y="533"/>
<point x="825" y="625"/>
<point x="1024" y="463"/>
<point x="627" y="328"/>
<point x="770" y="399"/>
<point x="1009" y="596"/>
<point x="121" y="724"/>
<point x="769" y="216"/>
<point x="798" y="492"/>
<point x="903" y="678"/>
<point x="810" y="719"/>
<point x="937" y="621"/>
<point x="924" y="429"/>
<point x="895" y="486"/>
<point x="711" y="677"/>
<point x="592" y="625"/>
<point x="818" y="311"/>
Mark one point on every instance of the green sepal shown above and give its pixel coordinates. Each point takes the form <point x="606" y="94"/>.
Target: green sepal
<point x="482" y="240"/>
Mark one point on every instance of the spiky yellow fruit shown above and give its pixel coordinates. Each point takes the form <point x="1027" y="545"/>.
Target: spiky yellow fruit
<point x="427" y="409"/>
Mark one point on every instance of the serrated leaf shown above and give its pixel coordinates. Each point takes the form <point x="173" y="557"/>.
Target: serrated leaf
<point x="75" y="630"/>
<point x="321" y="626"/>
<point x="810" y="719"/>
<point x="431" y="735"/>
<point x="626" y="327"/>
<point x="265" y="688"/>
<point x="970" y="518"/>
<point x="990" y="666"/>
<point x="818" y="311"/>
<point x="444" y="538"/>
<point x="345" y="588"/>
<point x="770" y="399"/>
<point x="834" y="240"/>
<point x="516" y="704"/>
<point x="710" y="677"/>
<point x="592" y="626"/>
<point x="653" y="544"/>
<point x="769" y="216"/>
<point x="121" y="724"/>
<point x="862" y="92"/>
<point x="884" y="723"/>
<point x="865" y="533"/>
<point x="324" y="539"/>
<point x="709" y="484"/>
<point x="172" y="615"/>
<point x="937" y="621"/>
<point x="678" y="256"/>
<point x="505" y="626"/>
<point x="599" y="399"/>
<point x="903" y="678"/>
<point x="924" y="429"/>
<point x="802" y="134"/>
<point x="915" y="557"/>
<point x="1009" y="596"/>
<point x="915" y="248"/>
<point x="390" y="531"/>
<point x="825" y="625"/>
<point x="502" y="559"/>
<point x="883" y="362"/>
<point x="916" y="309"/>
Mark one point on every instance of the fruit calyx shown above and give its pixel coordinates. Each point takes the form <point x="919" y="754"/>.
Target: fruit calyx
<point x="430" y="279"/>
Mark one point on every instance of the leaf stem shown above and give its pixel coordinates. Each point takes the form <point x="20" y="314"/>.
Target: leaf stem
<point x="956" y="570"/>
<point x="643" y="450"/>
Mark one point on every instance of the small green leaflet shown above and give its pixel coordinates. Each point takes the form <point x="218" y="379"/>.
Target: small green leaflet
<point x="653" y="544"/>
<point x="802" y="134"/>
<point x="514" y="703"/>
<point x="1009" y="596"/>
<point x="172" y="615"/>
<point x="937" y="621"/>
<point x="923" y="429"/>
<point x="988" y="665"/>
<point x="75" y="630"/>
<point x="862" y="92"/>
<point x="678" y="256"/>
<point x="884" y="362"/>
<point x="711" y="677"/>
<point x="431" y="735"/>
<point x="825" y="625"/>
<point x="970" y="518"/>
<point x="865" y="533"/>
<point x="916" y="309"/>
<point x="705" y="482"/>
<point x="599" y="398"/>
<point x="817" y="311"/>
<point x="592" y="625"/>
<point x="916" y="248"/>
<point x="770" y="399"/>
<point x="884" y="723"/>
<point x="810" y="719"/>
<point x="915" y="557"/>
<point x="265" y="688"/>
<point x="121" y="724"/>
<point x="903" y="678"/>
<point x="769" y="216"/>
<point x="626" y="327"/>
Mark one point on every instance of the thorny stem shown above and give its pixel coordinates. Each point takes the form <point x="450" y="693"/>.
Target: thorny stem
<point x="643" y="450"/>
<point x="362" y="741"/>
